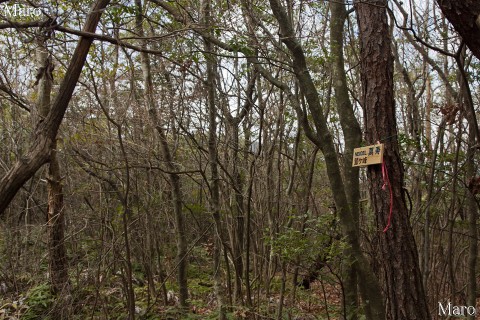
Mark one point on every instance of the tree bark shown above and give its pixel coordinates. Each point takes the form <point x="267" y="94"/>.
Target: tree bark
<point x="471" y="203"/>
<point x="46" y="131"/>
<point x="397" y="256"/>
<point x="214" y="178"/>
<point x="58" y="262"/>
<point x="353" y="137"/>
<point x="465" y="17"/>
<point x="472" y="211"/>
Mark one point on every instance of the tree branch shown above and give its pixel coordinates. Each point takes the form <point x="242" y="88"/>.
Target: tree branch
<point x="46" y="131"/>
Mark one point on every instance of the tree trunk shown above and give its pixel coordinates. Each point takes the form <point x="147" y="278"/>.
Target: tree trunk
<point x="58" y="263"/>
<point x="219" y="241"/>
<point x="472" y="210"/>
<point x="236" y="180"/>
<point x="214" y="183"/>
<point x="471" y="204"/>
<point x="369" y="287"/>
<point x="353" y="137"/>
<point x="56" y="229"/>
<point x="46" y="132"/>
<point x="173" y="177"/>
<point x="464" y="16"/>
<point x="398" y="257"/>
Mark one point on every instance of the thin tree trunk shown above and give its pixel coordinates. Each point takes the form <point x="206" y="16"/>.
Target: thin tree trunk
<point x="369" y="287"/>
<point x="452" y="214"/>
<point x="173" y="177"/>
<point x="238" y="210"/>
<point x="219" y="241"/>
<point x="353" y="137"/>
<point x="58" y="262"/>
<point x="472" y="208"/>
<point x="428" y="115"/>
<point x="214" y="185"/>
<point x="252" y="171"/>
<point x="128" y="278"/>
<point x="123" y="194"/>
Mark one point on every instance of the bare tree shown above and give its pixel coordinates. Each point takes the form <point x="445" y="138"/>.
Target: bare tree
<point x="174" y="178"/>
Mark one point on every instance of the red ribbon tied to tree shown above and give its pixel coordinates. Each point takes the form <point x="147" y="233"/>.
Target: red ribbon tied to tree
<point x="386" y="182"/>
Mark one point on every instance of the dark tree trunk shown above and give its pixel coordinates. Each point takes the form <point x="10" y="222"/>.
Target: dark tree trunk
<point x="397" y="252"/>
<point x="471" y="204"/>
<point x="56" y="229"/>
<point x="464" y="16"/>
<point x="353" y="137"/>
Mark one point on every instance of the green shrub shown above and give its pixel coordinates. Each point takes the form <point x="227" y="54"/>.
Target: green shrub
<point x="39" y="300"/>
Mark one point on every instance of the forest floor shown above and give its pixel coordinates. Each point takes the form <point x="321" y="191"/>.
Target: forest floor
<point x="33" y="300"/>
<point x="97" y="283"/>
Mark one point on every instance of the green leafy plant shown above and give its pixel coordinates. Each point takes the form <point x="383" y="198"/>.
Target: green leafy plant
<point x="39" y="299"/>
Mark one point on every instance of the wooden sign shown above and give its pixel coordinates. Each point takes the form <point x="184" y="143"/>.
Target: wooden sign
<point x="368" y="155"/>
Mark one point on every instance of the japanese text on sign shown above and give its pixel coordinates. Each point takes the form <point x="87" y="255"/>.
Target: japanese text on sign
<point x="368" y="155"/>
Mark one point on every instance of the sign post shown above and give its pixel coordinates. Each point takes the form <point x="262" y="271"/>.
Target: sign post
<point x="368" y="155"/>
